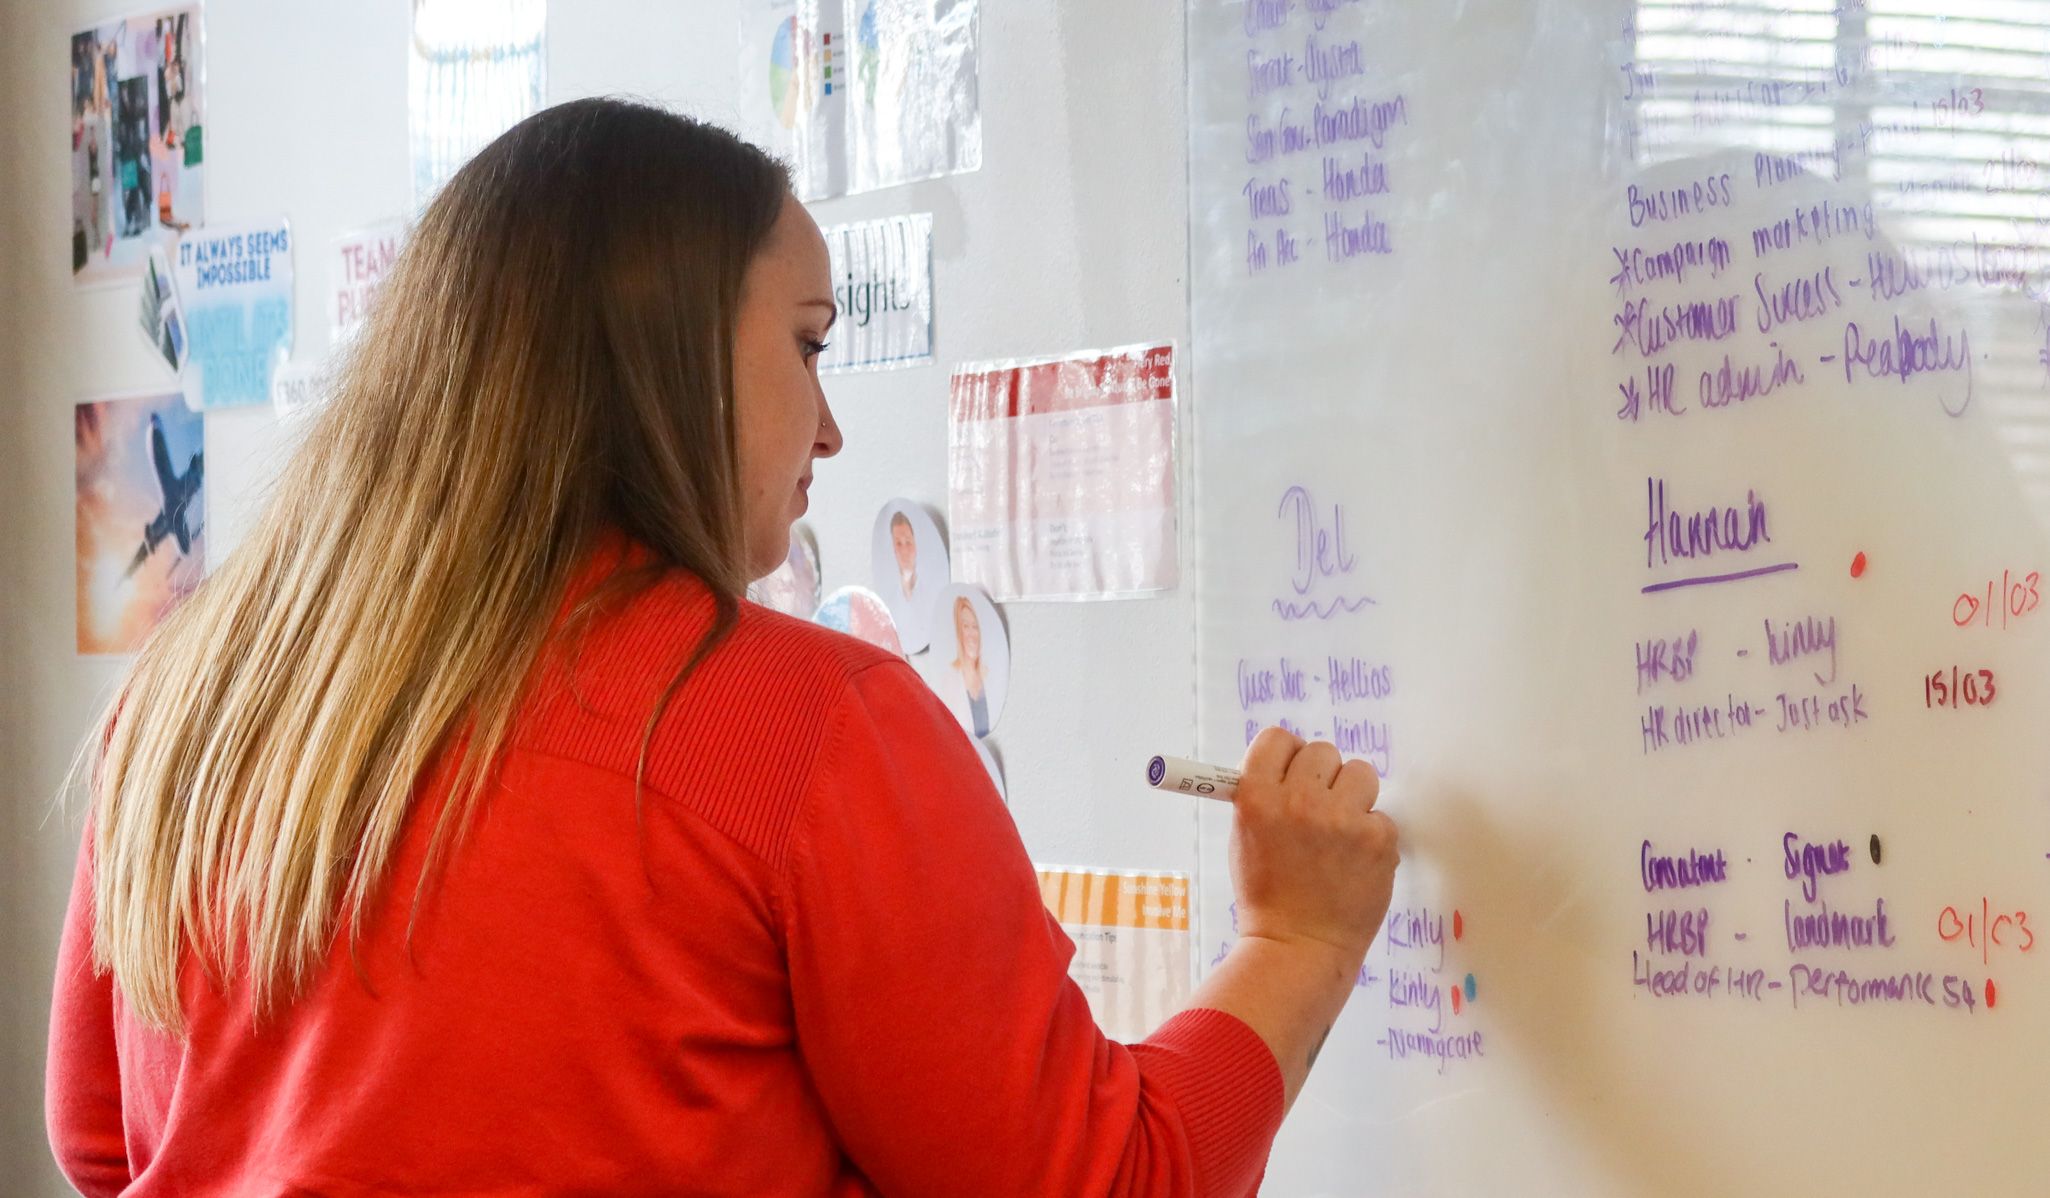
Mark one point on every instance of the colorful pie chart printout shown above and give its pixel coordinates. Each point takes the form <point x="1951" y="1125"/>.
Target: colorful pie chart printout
<point x="783" y="68"/>
<point x="860" y="613"/>
<point x="863" y="94"/>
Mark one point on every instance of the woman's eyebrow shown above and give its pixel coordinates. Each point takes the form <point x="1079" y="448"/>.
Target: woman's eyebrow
<point x="832" y="310"/>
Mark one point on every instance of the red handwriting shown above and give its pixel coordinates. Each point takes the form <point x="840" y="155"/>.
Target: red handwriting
<point x="1986" y="929"/>
<point x="2007" y="599"/>
<point x="1958" y="688"/>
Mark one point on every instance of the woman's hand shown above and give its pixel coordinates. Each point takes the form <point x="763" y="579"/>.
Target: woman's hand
<point x="1312" y="862"/>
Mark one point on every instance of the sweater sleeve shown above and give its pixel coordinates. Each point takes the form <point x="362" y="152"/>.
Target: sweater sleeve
<point x="82" y="1084"/>
<point x="933" y="1005"/>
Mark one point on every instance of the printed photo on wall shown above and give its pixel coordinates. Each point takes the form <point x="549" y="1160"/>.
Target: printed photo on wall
<point x="136" y="143"/>
<point x="235" y="285"/>
<point x="861" y="613"/>
<point x="476" y="70"/>
<point x="862" y="94"/>
<point x="882" y="285"/>
<point x="141" y="515"/>
<point x="793" y="587"/>
<point x="1061" y="472"/>
<point x="161" y="319"/>
<point x="971" y="658"/>
<point x="910" y="561"/>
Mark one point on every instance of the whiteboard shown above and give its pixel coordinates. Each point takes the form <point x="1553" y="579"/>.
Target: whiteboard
<point x="1628" y="425"/>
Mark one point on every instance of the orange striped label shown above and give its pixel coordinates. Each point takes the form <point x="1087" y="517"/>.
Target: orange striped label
<point x="1111" y="899"/>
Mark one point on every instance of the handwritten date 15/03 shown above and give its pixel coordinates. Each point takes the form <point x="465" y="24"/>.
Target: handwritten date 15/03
<point x="1959" y="688"/>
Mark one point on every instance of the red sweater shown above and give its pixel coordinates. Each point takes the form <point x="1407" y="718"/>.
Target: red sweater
<point x="814" y="962"/>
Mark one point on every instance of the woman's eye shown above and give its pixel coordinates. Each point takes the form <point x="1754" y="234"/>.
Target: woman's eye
<point x="813" y="348"/>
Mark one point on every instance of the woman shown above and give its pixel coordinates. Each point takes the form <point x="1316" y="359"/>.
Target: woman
<point x="465" y="833"/>
<point x="967" y="684"/>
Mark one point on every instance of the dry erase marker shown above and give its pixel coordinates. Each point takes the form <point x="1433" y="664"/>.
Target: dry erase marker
<point x="1193" y="778"/>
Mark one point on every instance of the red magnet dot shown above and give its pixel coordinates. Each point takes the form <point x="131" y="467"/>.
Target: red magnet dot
<point x="1858" y="566"/>
<point x="1458" y="926"/>
<point x="1992" y="996"/>
<point x="1457" y="1001"/>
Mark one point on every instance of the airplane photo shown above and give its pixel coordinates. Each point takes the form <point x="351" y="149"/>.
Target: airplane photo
<point x="178" y="491"/>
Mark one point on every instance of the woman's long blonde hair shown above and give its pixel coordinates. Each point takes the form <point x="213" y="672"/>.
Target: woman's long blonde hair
<point x="551" y="354"/>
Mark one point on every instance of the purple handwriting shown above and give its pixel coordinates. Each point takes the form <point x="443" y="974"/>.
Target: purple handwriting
<point x="1677" y="933"/>
<point x="1354" y="121"/>
<point x="1268" y="72"/>
<point x="1815" y="224"/>
<point x="1813" y="862"/>
<point x="1907" y="354"/>
<point x="1415" y="929"/>
<point x="1669" y="535"/>
<point x="1285" y="251"/>
<point x="1320" y="554"/>
<point x="1687" y="978"/>
<point x="1354" y="680"/>
<point x="1714" y="579"/>
<point x="1312" y="610"/>
<point x="1413" y="988"/>
<point x="1403" y="1044"/>
<point x="1260" y="684"/>
<point x="1343" y="242"/>
<point x="1637" y="80"/>
<point x="1663" y="726"/>
<point x="1364" y="738"/>
<point x="1910" y="986"/>
<point x="1662" y="658"/>
<point x="1733" y="384"/>
<point x="1657" y="396"/>
<point x="1806" y="713"/>
<point x="1651" y="331"/>
<point x="1806" y="298"/>
<point x="1267" y="200"/>
<point x="1321" y="11"/>
<point x="1791" y="641"/>
<point x="1676" y="203"/>
<point x="1824" y="928"/>
<point x="1320" y="551"/>
<point x="1326" y="64"/>
<point x="1260" y="16"/>
<point x="1695" y="868"/>
<point x="1770" y="170"/>
<point x="1346" y="180"/>
<point x="1636" y="268"/>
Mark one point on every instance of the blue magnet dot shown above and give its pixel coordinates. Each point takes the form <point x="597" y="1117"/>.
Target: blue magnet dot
<point x="1469" y="987"/>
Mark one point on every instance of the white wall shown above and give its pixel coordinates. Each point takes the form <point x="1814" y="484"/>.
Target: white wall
<point x="1072" y="235"/>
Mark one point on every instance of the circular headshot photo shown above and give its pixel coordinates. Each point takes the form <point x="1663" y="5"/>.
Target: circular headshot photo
<point x="910" y="568"/>
<point x="971" y="667"/>
<point x="996" y="771"/>
<point x="861" y="613"/>
<point x="793" y="587"/>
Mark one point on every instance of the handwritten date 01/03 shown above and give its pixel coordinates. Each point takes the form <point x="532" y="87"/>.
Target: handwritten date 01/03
<point x="1957" y="688"/>
<point x="2011" y="598"/>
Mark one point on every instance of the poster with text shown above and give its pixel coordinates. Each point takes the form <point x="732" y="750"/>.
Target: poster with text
<point x="862" y="94"/>
<point x="358" y="266"/>
<point x="141" y="515"/>
<point x="1132" y="949"/>
<point x="1061" y="475"/>
<point x="882" y="284"/>
<point x="136" y="140"/>
<point x="236" y="286"/>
